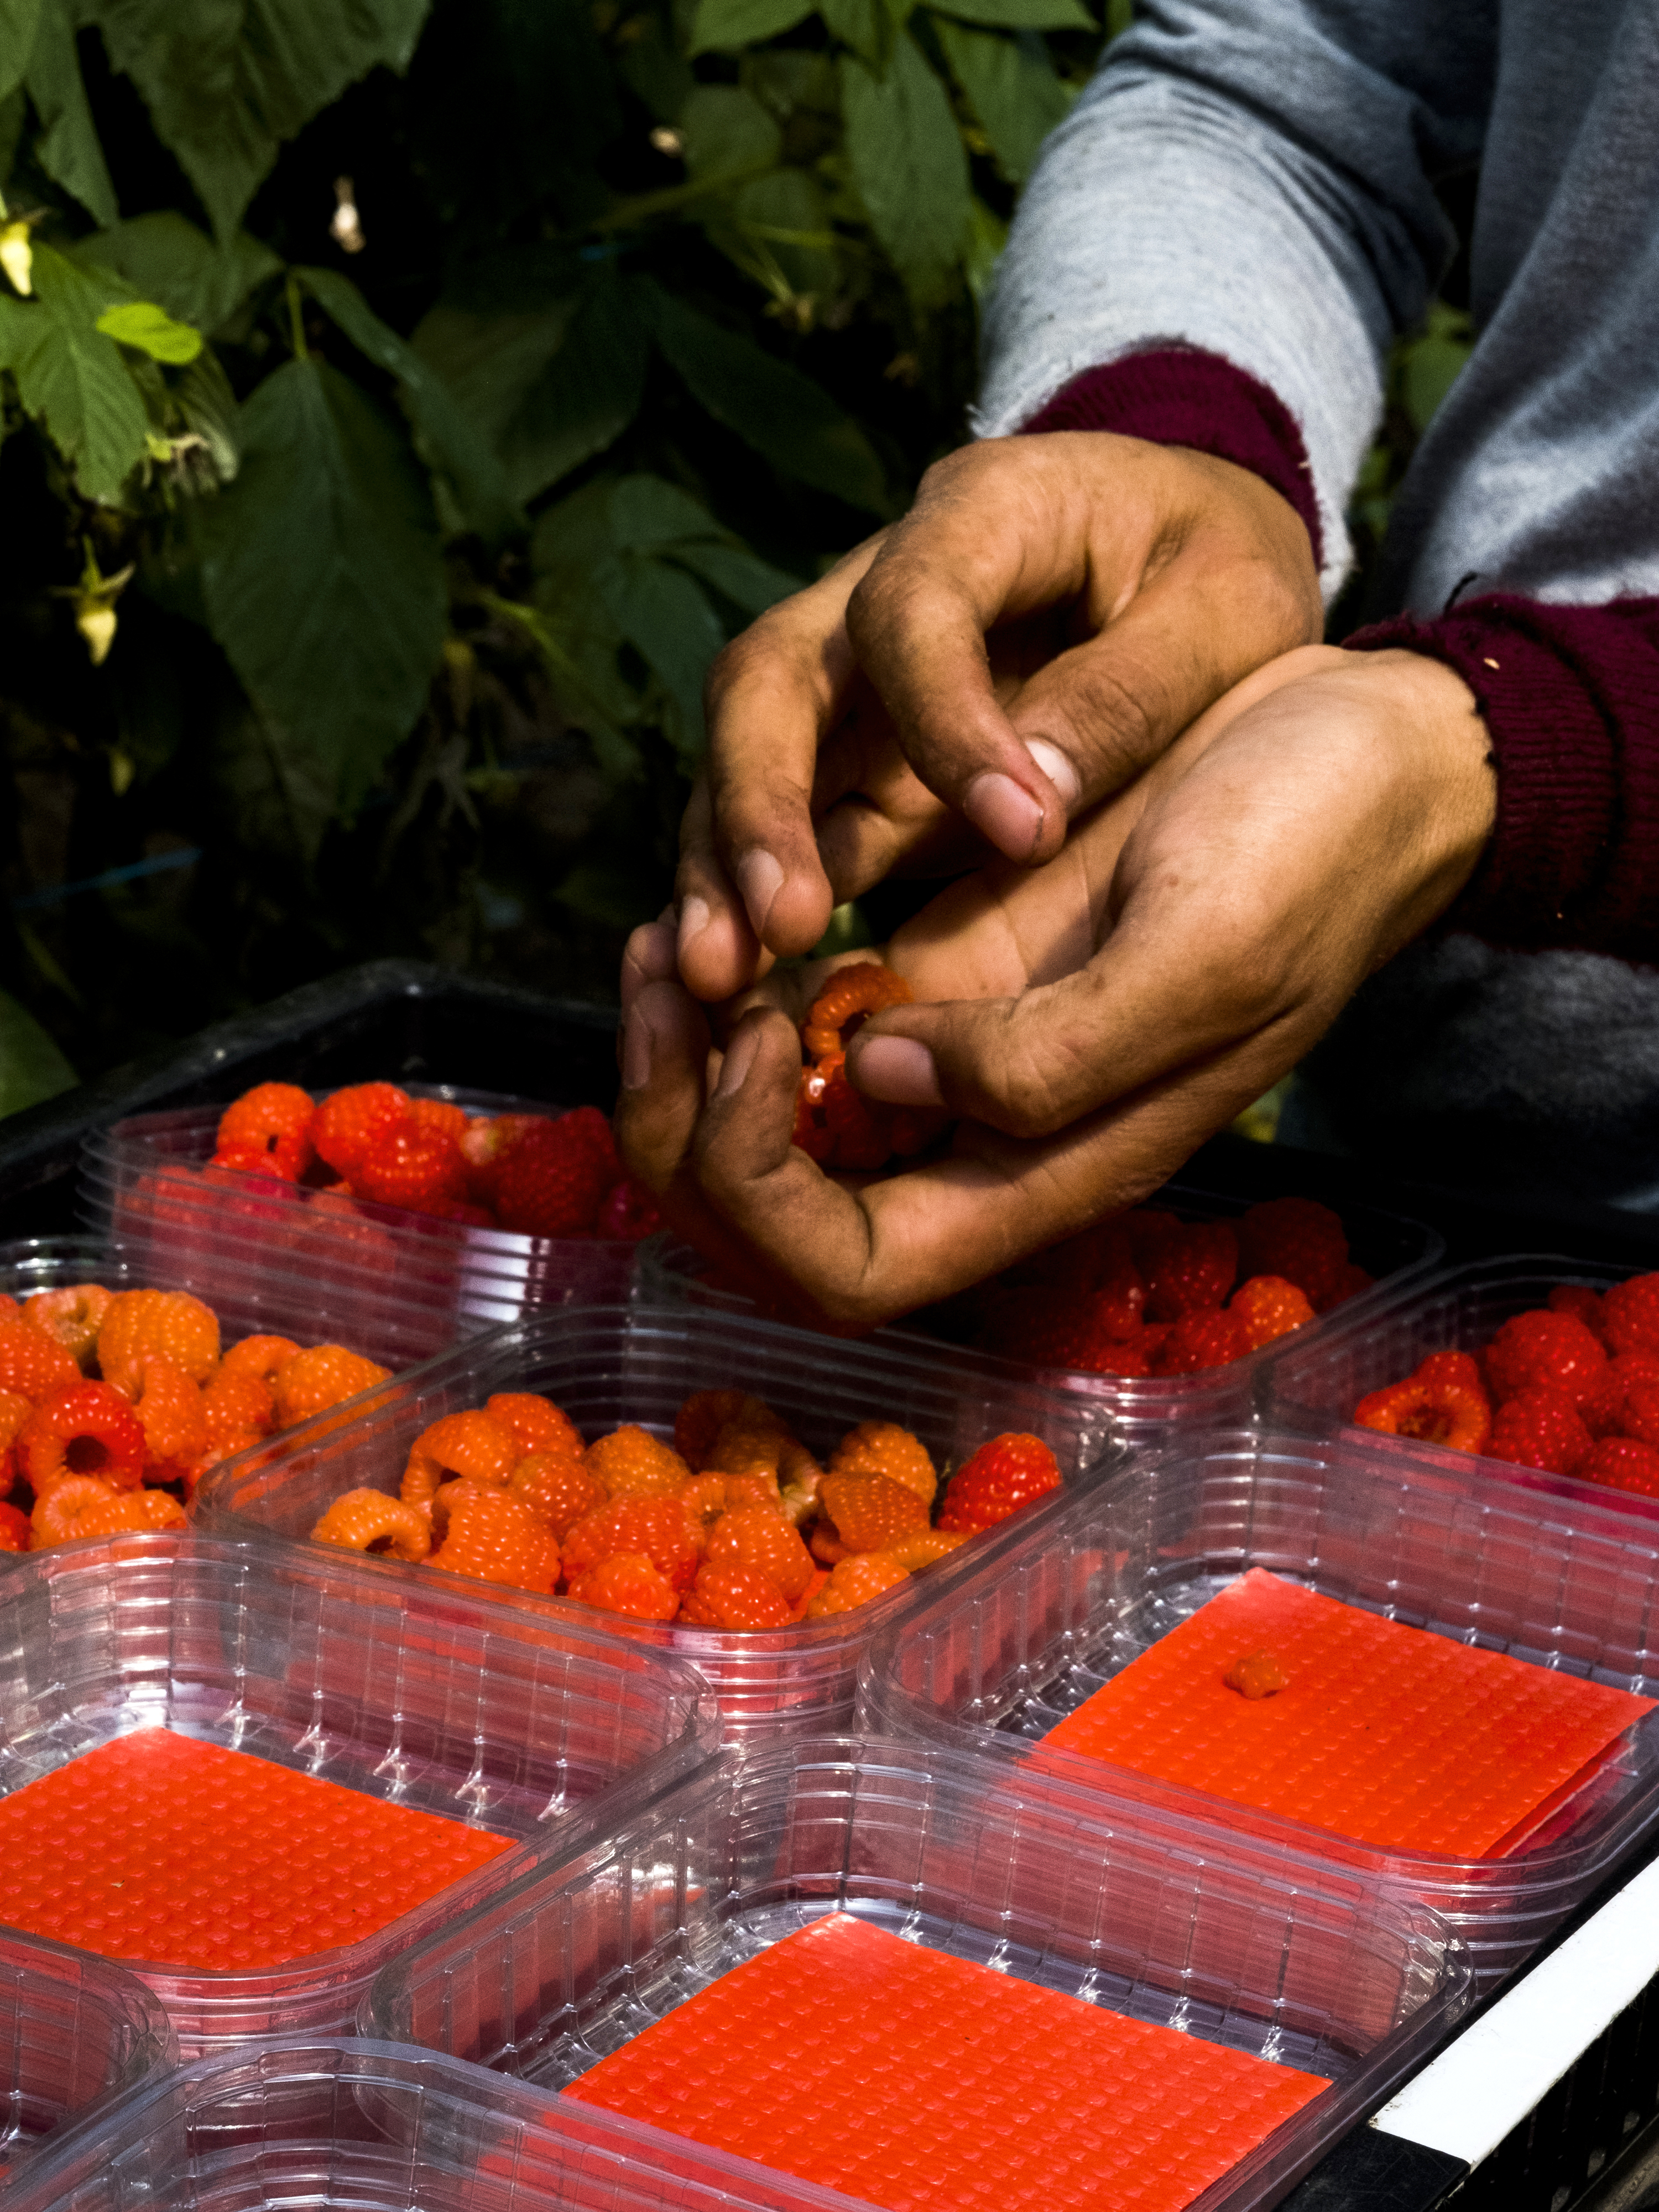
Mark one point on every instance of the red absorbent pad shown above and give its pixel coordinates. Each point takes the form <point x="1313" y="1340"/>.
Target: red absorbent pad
<point x="853" y="2059"/>
<point x="1383" y="1733"/>
<point x="183" y="1854"/>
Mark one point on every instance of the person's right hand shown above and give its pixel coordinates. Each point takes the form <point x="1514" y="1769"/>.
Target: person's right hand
<point x="1051" y="615"/>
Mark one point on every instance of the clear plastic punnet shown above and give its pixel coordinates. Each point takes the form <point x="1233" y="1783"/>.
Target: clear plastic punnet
<point x="1564" y="1583"/>
<point x="147" y="1183"/>
<point x="76" y="2032"/>
<point x="609" y="1365"/>
<point x="1397" y="1251"/>
<point x="1125" y="1906"/>
<point x="531" y="1731"/>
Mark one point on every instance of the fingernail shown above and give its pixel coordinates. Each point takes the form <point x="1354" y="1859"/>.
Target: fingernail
<point x="1009" y="817"/>
<point x="693" y="920"/>
<point x="760" y="879"/>
<point x="739" y="1059"/>
<point x="637" y="1044"/>
<point x="1057" y="769"/>
<point x="898" y="1070"/>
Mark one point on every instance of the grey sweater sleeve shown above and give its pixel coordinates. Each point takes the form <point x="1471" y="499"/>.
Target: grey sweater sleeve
<point x="1254" y="177"/>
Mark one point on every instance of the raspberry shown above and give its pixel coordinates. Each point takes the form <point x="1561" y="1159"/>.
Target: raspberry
<point x="735" y="1597"/>
<point x="465" y="1447"/>
<point x="855" y="1582"/>
<point x="923" y="1548"/>
<point x="558" y="1491"/>
<point x="353" y="1119"/>
<point x="1550" y="1349"/>
<point x="1540" y="1428"/>
<point x="496" y="1538"/>
<point x="73" y="1316"/>
<point x="765" y="1543"/>
<point x="180" y="1327"/>
<point x="1003" y="1475"/>
<point x="884" y="1448"/>
<point x="438" y="1117"/>
<point x="85" y="1428"/>
<point x="1348" y="1282"/>
<point x="1194" y="1272"/>
<point x="484" y="1146"/>
<point x="631" y="1463"/>
<point x="535" y="1424"/>
<point x="803" y="1605"/>
<point x="1443" y="1401"/>
<point x="239" y="1410"/>
<point x="1088" y="1332"/>
<point x="654" y="1526"/>
<point x="264" y="1356"/>
<point x="1630" y="1314"/>
<point x="1258" y="1675"/>
<point x="628" y="1582"/>
<point x="1200" y="1340"/>
<point x="1583" y="1303"/>
<point x="31" y="1363"/>
<point x="1639" y="1412"/>
<point x="629" y="1212"/>
<point x="82" y="1505"/>
<point x="1622" y="1463"/>
<point x="698" y="1422"/>
<point x="369" y="1520"/>
<point x="411" y="1167"/>
<point x="1297" y="1238"/>
<point x="1149" y="1229"/>
<point x="14" y="1410"/>
<point x="861" y="1130"/>
<point x="1088" y="1262"/>
<point x="14" y="1530"/>
<point x="870" y="1511"/>
<point x="169" y="1409"/>
<point x="755" y="1442"/>
<point x="1606" y="1412"/>
<point x="1269" y="1307"/>
<point x="812" y="1133"/>
<point x="553" y="1179"/>
<point x="850" y="996"/>
<point x="324" y="1377"/>
<point x="272" y="1121"/>
<point x="702" y="1501"/>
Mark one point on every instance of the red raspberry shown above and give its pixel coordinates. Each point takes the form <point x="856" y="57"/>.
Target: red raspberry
<point x="1639" y="1412"/>
<point x="1630" y="1312"/>
<point x="484" y="1147"/>
<point x="419" y="1169"/>
<point x="1444" y="1402"/>
<point x="1193" y="1273"/>
<point x="1058" y="1329"/>
<point x="273" y="1122"/>
<point x="1269" y="1307"/>
<point x="1583" y="1303"/>
<point x="1540" y="1428"/>
<point x="354" y="1119"/>
<point x="1297" y="1238"/>
<point x="1200" y="1340"/>
<point x="1003" y="1475"/>
<point x="1149" y="1229"/>
<point x="1606" y="1412"/>
<point x="1549" y="1349"/>
<point x="629" y="1212"/>
<point x="1348" y="1282"/>
<point x="860" y="1129"/>
<point x="1622" y="1463"/>
<point x="553" y="1179"/>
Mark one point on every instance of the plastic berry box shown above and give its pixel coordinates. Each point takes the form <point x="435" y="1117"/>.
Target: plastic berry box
<point x="1398" y="1251"/>
<point x="1566" y="1584"/>
<point x="609" y="1364"/>
<point x="1125" y="1906"/>
<point x="78" y="2031"/>
<point x="530" y="1730"/>
<point x="142" y="1182"/>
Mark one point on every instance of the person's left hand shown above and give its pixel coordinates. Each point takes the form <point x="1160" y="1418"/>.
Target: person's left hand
<point x="1094" y="1020"/>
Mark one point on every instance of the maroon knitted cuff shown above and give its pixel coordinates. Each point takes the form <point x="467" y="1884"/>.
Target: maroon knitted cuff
<point x="1571" y="696"/>
<point x="1181" y="395"/>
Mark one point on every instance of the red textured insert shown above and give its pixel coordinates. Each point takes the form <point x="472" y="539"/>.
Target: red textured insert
<point x="183" y="1854"/>
<point x="849" y="2057"/>
<point x="1384" y="1734"/>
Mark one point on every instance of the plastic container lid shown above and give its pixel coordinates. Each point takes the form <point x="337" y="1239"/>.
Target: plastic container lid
<point x="1396" y="1250"/>
<point x="1560" y="1583"/>
<point x="606" y="1365"/>
<point x="1124" y="1905"/>
<point x="432" y="1699"/>
<point x="77" y="2031"/>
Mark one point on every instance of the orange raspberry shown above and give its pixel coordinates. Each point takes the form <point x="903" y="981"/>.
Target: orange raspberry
<point x="803" y="1604"/>
<point x="654" y="1526"/>
<point x="265" y="1357"/>
<point x="355" y="1118"/>
<point x="855" y="1582"/>
<point x="73" y="1315"/>
<point x="884" y="1448"/>
<point x="180" y="1327"/>
<point x="326" y="1376"/>
<point x="628" y="1582"/>
<point x="496" y="1538"/>
<point x="851" y="993"/>
<point x="31" y="1363"/>
<point x="734" y="1597"/>
<point x="14" y="1530"/>
<point x="86" y="1429"/>
<point x="411" y="1167"/>
<point x="828" y="1548"/>
<point x="756" y="1442"/>
<point x="923" y="1547"/>
<point x="238" y="1409"/>
<point x="702" y="1503"/>
<point x="369" y="1520"/>
<point x="870" y="1511"/>
<point x="558" y="1491"/>
<point x="632" y="1464"/>
<point x="169" y="1408"/>
<point x="1270" y="1307"/>
<point x="469" y="1446"/>
<point x="437" y="1116"/>
<point x="766" y="1544"/>
<point x="14" y="1410"/>
<point x="535" y="1424"/>
<point x="81" y="1505"/>
<point x="698" y="1422"/>
<point x="272" y="1123"/>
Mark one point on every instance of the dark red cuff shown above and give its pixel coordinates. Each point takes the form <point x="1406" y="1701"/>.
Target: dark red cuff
<point x="1181" y="395"/>
<point x="1571" y="696"/>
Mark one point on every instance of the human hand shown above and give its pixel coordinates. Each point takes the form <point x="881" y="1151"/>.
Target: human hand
<point x="1052" y="613"/>
<point x="1202" y="930"/>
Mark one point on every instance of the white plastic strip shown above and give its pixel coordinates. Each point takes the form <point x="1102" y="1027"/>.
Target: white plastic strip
<point x="1469" y="2098"/>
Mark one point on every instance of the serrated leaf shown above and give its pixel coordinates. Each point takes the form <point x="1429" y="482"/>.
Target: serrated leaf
<point x="667" y="617"/>
<point x="459" y="448"/>
<point x="751" y="584"/>
<point x="19" y="21"/>
<point x="67" y="148"/>
<point x="31" y="1068"/>
<point x="72" y="379"/>
<point x="150" y="329"/>
<point x="784" y="415"/>
<point x="166" y="258"/>
<point x="585" y="397"/>
<point x="1021" y="15"/>
<point x="229" y="81"/>
<point x="910" y="168"/>
<point x="722" y="26"/>
<point x="322" y="574"/>
<point x="1013" y="89"/>
<point x="726" y="131"/>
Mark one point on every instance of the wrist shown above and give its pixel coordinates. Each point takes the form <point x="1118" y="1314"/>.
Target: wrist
<point x="1442" y="758"/>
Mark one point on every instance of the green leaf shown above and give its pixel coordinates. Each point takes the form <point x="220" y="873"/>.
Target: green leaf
<point x="777" y="216"/>
<point x="204" y="398"/>
<point x="459" y="448"/>
<point x="31" y="1068"/>
<point x="726" y="131"/>
<point x="166" y="258"/>
<point x="987" y="235"/>
<point x="139" y="324"/>
<point x="67" y="148"/>
<point x="783" y="415"/>
<point x="71" y="378"/>
<point x="910" y="168"/>
<point x="1011" y="88"/>
<point x="14" y="115"/>
<point x="722" y="26"/>
<point x="866" y="26"/>
<point x="752" y="585"/>
<point x="1021" y="15"/>
<point x="585" y="399"/>
<point x="228" y="81"/>
<point x="322" y="574"/>
<point x="19" y="19"/>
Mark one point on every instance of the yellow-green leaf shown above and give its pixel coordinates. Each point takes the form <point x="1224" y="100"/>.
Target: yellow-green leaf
<point x="149" y="329"/>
